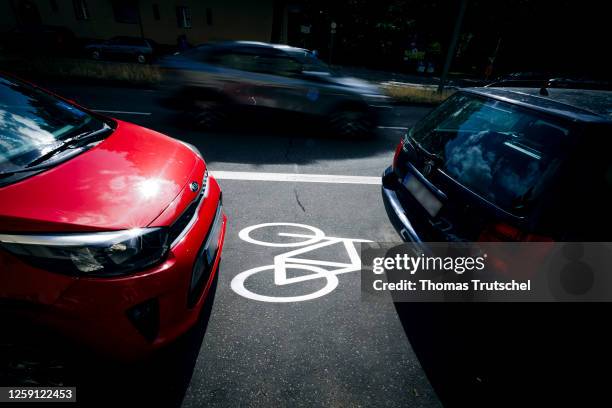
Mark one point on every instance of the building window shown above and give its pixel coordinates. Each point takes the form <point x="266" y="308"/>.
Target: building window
<point x="183" y="17"/>
<point x="209" y="20"/>
<point x="80" y="9"/>
<point x="53" y="5"/>
<point x="126" y="11"/>
<point x="156" y="11"/>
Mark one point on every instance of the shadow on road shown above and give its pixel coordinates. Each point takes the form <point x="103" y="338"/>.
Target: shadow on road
<point x="159" y="382"/>
<point x="512" y="354"/>
<point x="273" y="138"/>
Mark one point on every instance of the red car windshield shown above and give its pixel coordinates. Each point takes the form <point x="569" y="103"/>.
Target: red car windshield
<point x="33" y="123"/>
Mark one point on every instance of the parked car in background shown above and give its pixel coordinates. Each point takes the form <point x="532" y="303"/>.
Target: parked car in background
<point x="516" y="165"/>
<point x="123" y="48"/>
<point x="110" y="234"/>
<point x="546" y="80"/>
<point x="209" y="79"/>
<point x="40" y="39"/>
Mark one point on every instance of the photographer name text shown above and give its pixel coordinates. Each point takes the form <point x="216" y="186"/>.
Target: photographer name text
<point x="429" y="285"/>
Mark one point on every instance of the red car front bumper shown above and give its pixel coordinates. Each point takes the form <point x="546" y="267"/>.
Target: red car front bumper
<point x="98" y="312"/>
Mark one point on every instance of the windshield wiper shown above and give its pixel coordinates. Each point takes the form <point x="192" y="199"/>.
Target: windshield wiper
<point x="436" y="158"/>
<point x="80" y="140"/>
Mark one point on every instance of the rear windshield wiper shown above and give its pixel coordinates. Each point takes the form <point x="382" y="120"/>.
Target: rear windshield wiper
<point x="436" y="158"/>
<point x="74" y="142"/>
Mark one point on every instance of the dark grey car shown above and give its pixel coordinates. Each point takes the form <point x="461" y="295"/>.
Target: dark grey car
<point x="123" y="48"/>
<point x="209" y="78"/>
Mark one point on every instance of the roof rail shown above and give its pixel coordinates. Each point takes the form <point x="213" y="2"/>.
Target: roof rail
<point x="561" y="83"/>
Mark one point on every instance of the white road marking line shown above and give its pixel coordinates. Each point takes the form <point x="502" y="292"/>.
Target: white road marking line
<point x="123" y="112"/>
<point x="393" y="127"/>
<point x="299" y="178"/>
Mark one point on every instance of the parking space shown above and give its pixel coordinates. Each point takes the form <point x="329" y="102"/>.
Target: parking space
<point x="325" y="346"/>
<point x="333" y="349"/>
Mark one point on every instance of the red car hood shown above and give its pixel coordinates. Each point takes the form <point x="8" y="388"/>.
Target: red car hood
<point x="124" y="182"/>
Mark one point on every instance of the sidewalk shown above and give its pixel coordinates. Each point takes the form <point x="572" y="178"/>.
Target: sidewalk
<point x="403" y="78"/>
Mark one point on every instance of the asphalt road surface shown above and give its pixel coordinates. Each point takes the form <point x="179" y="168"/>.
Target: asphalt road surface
<point x="332" y="350"/>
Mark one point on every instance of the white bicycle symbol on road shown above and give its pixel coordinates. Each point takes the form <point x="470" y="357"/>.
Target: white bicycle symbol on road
<point x="315" y="239"/>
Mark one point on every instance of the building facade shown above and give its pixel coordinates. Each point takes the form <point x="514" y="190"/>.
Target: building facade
<point x="161" y="20"/>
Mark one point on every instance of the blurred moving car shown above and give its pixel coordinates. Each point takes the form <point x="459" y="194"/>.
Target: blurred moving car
<point x="40" y="39"/>
<point x="123" y="48"/>
<point x="518" y="165"/>
<point x="209" y="79"/>
<point x="110" y="234"/>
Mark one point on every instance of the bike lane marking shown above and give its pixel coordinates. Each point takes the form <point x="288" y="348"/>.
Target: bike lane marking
<point x="238" y="285"/>
<point x="288" y="260"/>
<point x="280" y="261"/>
<point x="318" y="234"/>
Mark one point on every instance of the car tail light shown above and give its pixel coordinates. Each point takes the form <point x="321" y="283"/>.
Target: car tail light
<point x="502" y="232"/>
<point x="503" y="258"/>
<point x="398" y="150"/>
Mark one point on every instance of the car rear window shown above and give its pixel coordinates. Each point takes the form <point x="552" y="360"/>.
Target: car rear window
<point x="498" y="150"/>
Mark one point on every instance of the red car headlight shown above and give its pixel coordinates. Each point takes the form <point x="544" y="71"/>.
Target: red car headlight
<point x="90" y="254"/>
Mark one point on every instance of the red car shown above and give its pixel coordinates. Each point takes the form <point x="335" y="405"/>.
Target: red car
<point x="110" y="234"/>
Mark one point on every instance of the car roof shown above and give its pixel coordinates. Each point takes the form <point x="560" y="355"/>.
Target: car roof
<point x="283" y="47"/>
<point x="574" y="104"/>
<point x="127" y="37"/>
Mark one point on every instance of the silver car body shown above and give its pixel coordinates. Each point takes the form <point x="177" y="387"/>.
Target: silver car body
<point x="270" y="76"/>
